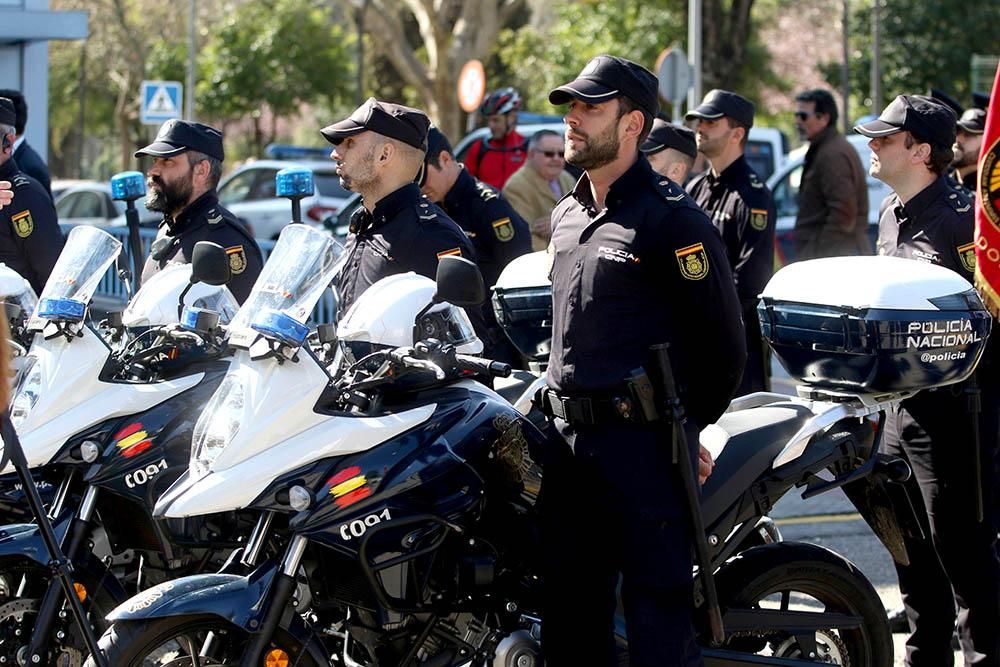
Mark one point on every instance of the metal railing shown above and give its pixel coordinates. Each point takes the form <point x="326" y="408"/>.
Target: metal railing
<point x="112" y="290"/>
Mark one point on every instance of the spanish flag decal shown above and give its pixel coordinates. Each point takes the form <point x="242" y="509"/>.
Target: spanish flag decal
<point x="133" y="440"/>
<point x="348" y="486"/>
<point x="457" y="252"/>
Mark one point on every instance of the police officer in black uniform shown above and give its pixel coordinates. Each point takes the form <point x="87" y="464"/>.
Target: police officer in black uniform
<point x="636" y="263"/>
<point x="968" y="142"/>
<point x="380" y="152"/>
<point x="956" y="564"/>
<point x="187" y="165"/>
<point x="30" y="239"/>
<point x="497" y="232"/>
<point x="740" y="205"/>
<point x="671" y="150"/>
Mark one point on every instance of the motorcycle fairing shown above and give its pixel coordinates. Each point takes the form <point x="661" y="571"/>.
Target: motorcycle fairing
<point x="25" y="539"/>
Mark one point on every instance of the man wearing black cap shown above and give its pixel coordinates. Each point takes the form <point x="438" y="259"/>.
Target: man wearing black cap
<point x="671" y="150"/>
<point x="30" y="239"/>
<point x="832" y="219"/>
<point x="740" y="205"/>
<point x="636" y="263"/>
<point x="956" y="564"/>
<point x="27" y="158"/>
<point x="968" y="142"/>
<point x="497" y="232"/>
<point x="380" y="150"/>
<point x="187" y="165"/>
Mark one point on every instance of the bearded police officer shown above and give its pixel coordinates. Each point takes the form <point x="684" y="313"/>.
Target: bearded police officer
<point x="956" y="565"/>
<point x="181" y="182"/>
<point x="30" y="239"/>
<point x="380" y="152"/>
<point x="742" y="209"/>
<point x="497" y="232"/>
<point x="636" y="263"/>
<point x="968" y="142"/>
<point x="671" y="150"/>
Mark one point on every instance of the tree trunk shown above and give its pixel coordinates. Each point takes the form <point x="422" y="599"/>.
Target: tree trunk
<point x="724" y="41"/>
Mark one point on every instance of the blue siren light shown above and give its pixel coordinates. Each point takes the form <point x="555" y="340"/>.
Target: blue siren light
<point x="280" y="326"/>
<point x="294" y="182"/>
<point x="62" y="310"/>
<point x="128" y="185"/>
<point x="189" y="317"/>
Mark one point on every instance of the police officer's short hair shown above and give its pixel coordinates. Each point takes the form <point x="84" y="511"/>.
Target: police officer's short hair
<point x="733" y="123"/>
<point x="435" y="147"/>
<point x="626" y="105"/>
<point x="7" y="129"/>
<point x="20" y="108"/>
<point x="940" y="158"/>
<point x="823" y="101"/>
<point x="214" y="166"/>
<point x="537" y="137"/>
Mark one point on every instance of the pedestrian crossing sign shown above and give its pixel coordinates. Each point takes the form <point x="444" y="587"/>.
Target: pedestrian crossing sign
<point x="160" y="101"/>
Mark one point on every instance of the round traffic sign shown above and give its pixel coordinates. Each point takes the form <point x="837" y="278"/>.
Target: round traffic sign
<point x="674" y="74"/>
<point x="471" y="86"/>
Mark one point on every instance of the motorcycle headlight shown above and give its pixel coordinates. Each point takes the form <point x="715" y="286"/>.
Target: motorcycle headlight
<point x="27" y="392"/>
<point x="218" y="424"/>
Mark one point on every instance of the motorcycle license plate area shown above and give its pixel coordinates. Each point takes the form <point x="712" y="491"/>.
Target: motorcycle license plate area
<point x="873" y="324"/>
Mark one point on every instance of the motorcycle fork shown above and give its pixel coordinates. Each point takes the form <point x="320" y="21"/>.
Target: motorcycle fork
<point x="53" y="600"/>
<point x="279" y="595"/>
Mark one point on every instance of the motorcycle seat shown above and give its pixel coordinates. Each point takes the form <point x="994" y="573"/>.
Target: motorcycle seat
<point x="511" y="388"/>
<point x="743" y="444"/>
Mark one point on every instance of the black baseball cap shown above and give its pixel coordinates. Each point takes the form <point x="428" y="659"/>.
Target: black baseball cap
<point x="719" y="103"/>
<point x="973" y="121"/>
<point x="176" y="136"/>
<point x="7" y="114"/>
<point x="390" y="120"/>
<point x="667" y="135"/>
<point x="607" y="77"/>
<point x="924" y="117"/>
<point x="944" y="98"/>
<point x="980" y="100"/>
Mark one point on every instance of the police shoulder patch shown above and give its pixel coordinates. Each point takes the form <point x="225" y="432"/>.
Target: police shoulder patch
<point x="504" y="229"/>
<point x="20" y="181"/>
<point x="237" y="259"/>
<point x="214" y="217"/>
<point x="693" y="261"/>
<point x="758" y="218"/>
<point x="486" y="192"/>
<point x="967" y="253"/>
<point x="669" y="190"/>
<point x="454" y="252"/>
<point x="23" y="224"/>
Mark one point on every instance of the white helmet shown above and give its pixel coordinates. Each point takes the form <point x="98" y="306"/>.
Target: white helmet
<point x="155" y="304"/>
<point x="384" y="316"/>
<point x="16" y="290"/>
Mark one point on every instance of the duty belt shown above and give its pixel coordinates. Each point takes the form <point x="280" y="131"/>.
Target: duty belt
<point x="603" y="409"/>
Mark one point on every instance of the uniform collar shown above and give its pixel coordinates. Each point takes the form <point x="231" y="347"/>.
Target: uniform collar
<point x="465" y="185"/>
<point x="191" y="213"/>
<point x="733" y="174"/>
<point x="8" y="169"/>
<point x="923" y="199"/>
<point x="621" y="191"/>
<point x="389" y="206"/>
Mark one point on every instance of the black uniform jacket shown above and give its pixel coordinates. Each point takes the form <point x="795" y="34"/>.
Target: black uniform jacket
<point x="31" y="163"/>
<point x="741" y="208"/>
<point x="206" y="220"/>
<point x="648" y="269"/>
<point x="405" y="232"/>
<point x="30" y="238"/>
<point x="497" y="232"/>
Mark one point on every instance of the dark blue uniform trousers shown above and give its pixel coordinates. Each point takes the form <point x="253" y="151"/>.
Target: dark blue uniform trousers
<point x="954" y="573"/>
<point x="611" y="503"/>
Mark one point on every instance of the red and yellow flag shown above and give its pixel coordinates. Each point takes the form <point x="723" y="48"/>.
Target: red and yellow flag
<point x="988" y="207"/>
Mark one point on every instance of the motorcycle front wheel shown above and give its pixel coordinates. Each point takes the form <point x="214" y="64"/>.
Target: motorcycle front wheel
<point x="805" y="577"/>
<point x="186" y="641"/>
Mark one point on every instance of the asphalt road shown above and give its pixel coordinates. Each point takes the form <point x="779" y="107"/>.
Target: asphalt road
<point x="830" y="520"/>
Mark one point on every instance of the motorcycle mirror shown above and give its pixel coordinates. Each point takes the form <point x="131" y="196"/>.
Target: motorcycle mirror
<point x="210" y="264"/>
<point x="459" y="282"/>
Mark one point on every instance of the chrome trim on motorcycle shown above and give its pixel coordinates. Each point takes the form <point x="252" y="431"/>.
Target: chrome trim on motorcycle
<point x="293" y="556"/>
<point x="257" y="539"/>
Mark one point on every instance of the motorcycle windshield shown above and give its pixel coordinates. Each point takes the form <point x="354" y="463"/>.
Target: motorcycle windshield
<point x="87" y="254"/>
<point x="301" y="266"/>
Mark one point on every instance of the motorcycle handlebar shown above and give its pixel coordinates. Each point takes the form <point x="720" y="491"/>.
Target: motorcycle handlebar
<point x="483" y="366"/>
<point x="426" y="365"/>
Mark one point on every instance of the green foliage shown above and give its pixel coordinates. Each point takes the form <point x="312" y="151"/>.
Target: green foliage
<point x="536" y="61"/>
<point x="923" y="43"/>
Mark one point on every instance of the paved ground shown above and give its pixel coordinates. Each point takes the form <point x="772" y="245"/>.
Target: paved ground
<point x="832" y="521"/>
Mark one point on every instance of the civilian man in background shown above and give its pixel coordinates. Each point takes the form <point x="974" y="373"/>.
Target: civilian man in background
<point x="535" y="188"/>
<point x="495" y="158"/>
<point x="833" y="197"/>
<point x="30" y="162"/>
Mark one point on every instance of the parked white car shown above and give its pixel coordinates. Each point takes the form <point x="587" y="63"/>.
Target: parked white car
<point x="249" y="192"/>
<point x="90" y="203"/>
<point x="785" y="183"/>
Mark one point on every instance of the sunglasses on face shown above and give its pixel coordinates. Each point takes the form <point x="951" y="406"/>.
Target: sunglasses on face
<point x="802" y="115"/>
<point x="552" y="154"/>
